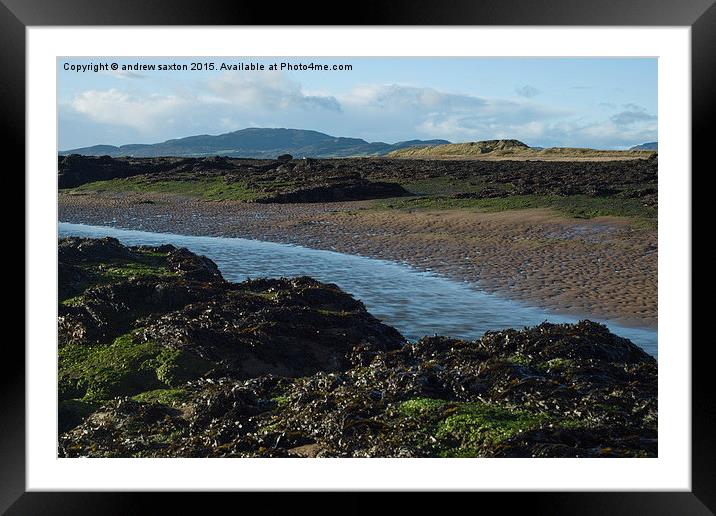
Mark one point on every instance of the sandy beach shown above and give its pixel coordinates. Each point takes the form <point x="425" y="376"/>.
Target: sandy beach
<point x="605" y="267"/>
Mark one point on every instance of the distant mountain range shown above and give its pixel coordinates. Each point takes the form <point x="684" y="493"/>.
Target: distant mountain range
<point x="256" y="143"/>
<point x="653" y="146"/>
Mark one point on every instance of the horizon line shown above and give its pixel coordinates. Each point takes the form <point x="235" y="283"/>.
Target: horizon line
<point x="333" y="136"/>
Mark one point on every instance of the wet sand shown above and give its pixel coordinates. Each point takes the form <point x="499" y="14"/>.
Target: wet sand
<point x="604" y="267"/>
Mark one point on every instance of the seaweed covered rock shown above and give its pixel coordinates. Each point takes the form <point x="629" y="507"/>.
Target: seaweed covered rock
<point x="297" y="368"/>
<point x="137" y="319"/>
<point x="104" y="287"/>
<point x="287" y="327"/>
<point x="73" y="250"/>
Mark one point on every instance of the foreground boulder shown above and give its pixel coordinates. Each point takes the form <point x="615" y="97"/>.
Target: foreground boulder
<point x="297" y="368"/>
<point x="143" y="318"/>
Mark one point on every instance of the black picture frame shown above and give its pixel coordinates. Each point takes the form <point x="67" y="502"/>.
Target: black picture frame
<point x="17" y="15"/>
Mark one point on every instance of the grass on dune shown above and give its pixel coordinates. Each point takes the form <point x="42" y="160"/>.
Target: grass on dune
<point x="477" y="150"/>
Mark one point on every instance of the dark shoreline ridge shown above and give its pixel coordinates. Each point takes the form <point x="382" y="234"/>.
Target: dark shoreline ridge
<point x="159" y="356"/>
<point x="345" y="179"/>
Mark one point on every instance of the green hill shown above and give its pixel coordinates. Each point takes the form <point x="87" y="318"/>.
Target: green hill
<point x="254" y="142"/>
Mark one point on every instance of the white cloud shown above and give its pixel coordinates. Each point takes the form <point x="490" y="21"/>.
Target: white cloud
<point x="453" y="116"/>
<point x="602" y="134"/>
<point x="631" y="115"/>
<point x="119" y="108"/>
<point x="395" y="97"/>
<point x="267" y="90"/>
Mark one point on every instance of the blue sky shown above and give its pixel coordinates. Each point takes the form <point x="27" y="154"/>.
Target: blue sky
<point x="595" y="102"/>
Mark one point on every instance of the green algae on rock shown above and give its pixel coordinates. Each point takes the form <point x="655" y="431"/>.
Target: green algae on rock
<point x="170" y="360"/>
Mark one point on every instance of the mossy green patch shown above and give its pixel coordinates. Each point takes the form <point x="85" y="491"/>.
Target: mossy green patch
<point x="281" y="401"/>
<point x="463" y="429"/>
<point x="570" y="424"/>
<point x="72" y="301"/>
<point x="339" y="313"/>
<point x="124" y="270"/>
<point x="100" y="372"/>
<point x="474" y="425"/>
<point x="153" y="254"/>
<point x="421" y="406"/>
<point x="123" y="368"/>
<point x="519" y="359"/>
<point x="169" y="397"/>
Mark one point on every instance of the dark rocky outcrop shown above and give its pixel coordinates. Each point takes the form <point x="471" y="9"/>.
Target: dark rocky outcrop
<point x="160" y="357"/>
<point x="355" y="190"/>
<point x="290" y="328"/>
<point x="325" y="180"/>
<point x="75" y="170"/>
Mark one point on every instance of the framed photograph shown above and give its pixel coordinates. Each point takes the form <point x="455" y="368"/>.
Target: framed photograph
<point x="442" y="248"/>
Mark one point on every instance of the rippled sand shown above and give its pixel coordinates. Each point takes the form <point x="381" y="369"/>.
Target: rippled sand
<point x="605" y="267"/>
